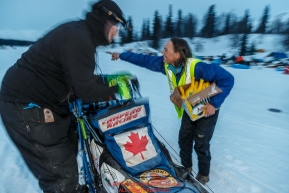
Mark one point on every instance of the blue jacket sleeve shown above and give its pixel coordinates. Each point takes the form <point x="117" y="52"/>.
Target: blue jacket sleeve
<point x="215" y="73"/>
<point x="154" y="63"/>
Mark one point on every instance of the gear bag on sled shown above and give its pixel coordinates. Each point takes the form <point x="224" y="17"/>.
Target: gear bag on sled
<point x="127" y="155"/>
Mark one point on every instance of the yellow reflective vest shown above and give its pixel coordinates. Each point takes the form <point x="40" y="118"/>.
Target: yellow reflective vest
<point x="186" y="77"/>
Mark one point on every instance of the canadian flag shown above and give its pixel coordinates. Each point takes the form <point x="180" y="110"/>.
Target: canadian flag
<point x="136" y="146"/>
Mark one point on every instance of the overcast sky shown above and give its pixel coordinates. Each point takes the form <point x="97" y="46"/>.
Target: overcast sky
<point x="43" y="15"/>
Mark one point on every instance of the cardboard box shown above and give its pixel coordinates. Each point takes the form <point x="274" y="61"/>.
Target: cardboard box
<point x="195" y="102"/>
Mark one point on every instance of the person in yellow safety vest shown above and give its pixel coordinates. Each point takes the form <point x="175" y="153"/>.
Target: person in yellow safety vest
<point x="179" y="66"/>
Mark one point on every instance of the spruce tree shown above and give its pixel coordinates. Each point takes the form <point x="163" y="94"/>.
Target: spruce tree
<point x="145" y="34"/>
<point x="143" y="30"/>
<point x="169" y="28"/>
<point x="208" y="30"/>
<point x="148" y="31"/>
<point x="234" y="23"/>
<point x="127" y="35"/>
<point x="252" y="49"/>
<point x="130" y="32"/>
<point x="227" y="26"/>
<point x="243" y="49"/>
<point x="156" y="31"/>
<point x="234" y="40"/>
<point x="191" y="26"/>
<point x="264" y="20"/>
<point x="286" y="41"/>
<point x="122" y="34"/>
<point x="244" y="24"/>
<point x="220" y="22"/>
<point x="179" y="27"/>
<point x="286" y="38"/>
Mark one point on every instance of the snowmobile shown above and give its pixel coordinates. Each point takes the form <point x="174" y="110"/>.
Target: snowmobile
<point x="118" y="151"/>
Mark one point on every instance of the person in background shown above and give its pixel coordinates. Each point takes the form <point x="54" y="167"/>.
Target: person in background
<point x="178" y="65"/>
<point x="37" y="89"/>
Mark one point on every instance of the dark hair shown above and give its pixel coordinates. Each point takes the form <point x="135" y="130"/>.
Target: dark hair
<point x="182" y="47"/>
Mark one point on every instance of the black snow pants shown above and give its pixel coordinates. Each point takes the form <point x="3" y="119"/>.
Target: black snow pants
<point x="200" y="133"/>
<point x="46" y="147"/>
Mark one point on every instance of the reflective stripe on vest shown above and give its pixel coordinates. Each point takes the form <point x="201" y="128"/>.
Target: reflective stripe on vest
<point x="185" y="78"/>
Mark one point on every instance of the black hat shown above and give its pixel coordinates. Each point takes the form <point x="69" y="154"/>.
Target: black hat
<point x="111" y="10"/>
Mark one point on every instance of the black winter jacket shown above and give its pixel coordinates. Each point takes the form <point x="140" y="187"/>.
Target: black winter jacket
<point x="59" y="67"/>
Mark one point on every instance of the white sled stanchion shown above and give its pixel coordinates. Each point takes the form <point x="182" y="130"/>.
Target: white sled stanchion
<point x="120" y="153"/>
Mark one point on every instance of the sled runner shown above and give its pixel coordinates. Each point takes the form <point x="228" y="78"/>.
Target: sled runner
<point x="118" y="151"/>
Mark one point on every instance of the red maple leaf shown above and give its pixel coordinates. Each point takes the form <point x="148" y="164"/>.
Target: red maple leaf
<point x="136" y="145"/>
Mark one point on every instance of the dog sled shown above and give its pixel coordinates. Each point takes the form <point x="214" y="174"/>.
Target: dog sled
<point x="118" y="151"/>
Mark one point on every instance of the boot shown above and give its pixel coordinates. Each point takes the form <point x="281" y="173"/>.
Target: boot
<point x="202" y="179"/>
<point x="82" y="189"/>
<point x="190" y="171"/>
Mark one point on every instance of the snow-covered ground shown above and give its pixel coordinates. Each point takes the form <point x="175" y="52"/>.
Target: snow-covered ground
<point x="249" y="148"/>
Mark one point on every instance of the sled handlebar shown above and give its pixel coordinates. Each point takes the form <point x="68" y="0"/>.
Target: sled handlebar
<point x="79" y="108"/>
<point x="104" y="104"/>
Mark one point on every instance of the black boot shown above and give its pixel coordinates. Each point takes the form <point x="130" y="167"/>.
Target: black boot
<point x="82" y="189"/>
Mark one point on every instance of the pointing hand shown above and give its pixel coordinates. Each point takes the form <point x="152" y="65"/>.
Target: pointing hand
<point x="114" y="55"/>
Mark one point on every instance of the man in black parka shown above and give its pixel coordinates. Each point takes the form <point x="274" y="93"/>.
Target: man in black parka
<point x="37" y="89"/>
